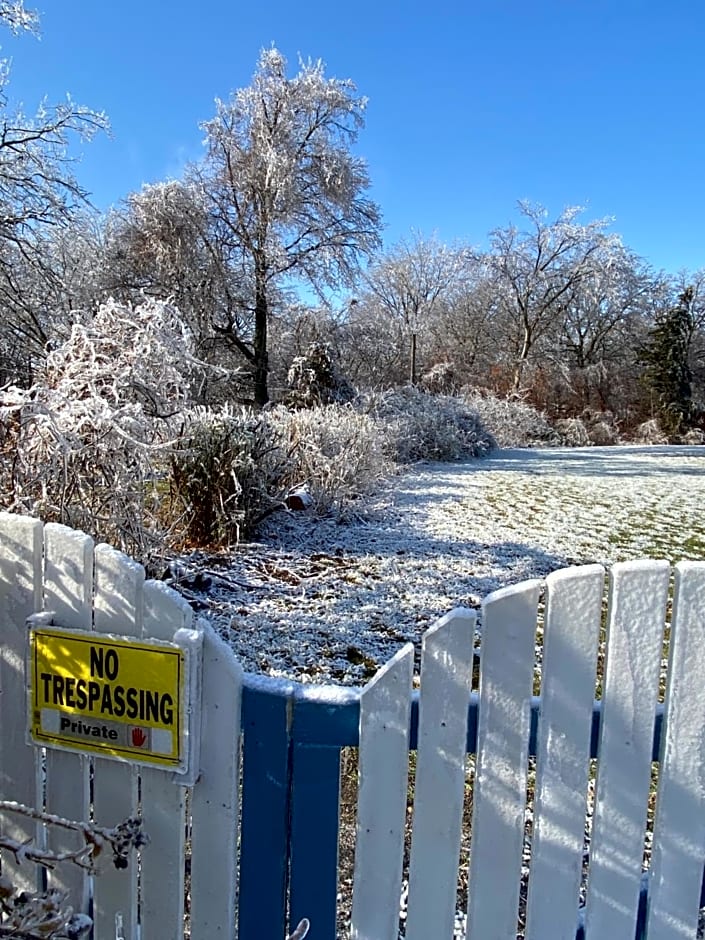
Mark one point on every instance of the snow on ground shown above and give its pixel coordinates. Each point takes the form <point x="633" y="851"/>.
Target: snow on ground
<point x="319" y="601"/>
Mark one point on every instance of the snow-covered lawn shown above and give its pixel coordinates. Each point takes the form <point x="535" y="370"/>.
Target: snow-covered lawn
<point x="319" y="601"/>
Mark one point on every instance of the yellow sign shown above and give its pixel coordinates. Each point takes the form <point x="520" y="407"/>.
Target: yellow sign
<point x="115" y="697"/>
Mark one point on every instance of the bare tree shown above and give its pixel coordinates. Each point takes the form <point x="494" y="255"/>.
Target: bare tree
<point x="373" y="347"/>
<point x="595" y="346"/>
<point x="14" y="15"/>
<point x="161" y="244"/>
<point x="48" y="281"/>
<point x="464" y="324"/>
<point x="285" y="195"/>
<point x="36" y="184"/>
<point x="408" y="284"/>
<point x="38" y="190"/>
<point x="537" y="272"/>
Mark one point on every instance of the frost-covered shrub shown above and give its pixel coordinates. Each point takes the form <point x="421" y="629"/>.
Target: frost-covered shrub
<point x="572" y="432"/>
<point x="89" y="466"/>
<point x="314" y="379"/>
<point x="88" y="444"/>
<point x="589" y="428"/>
<point x="334" y="451"/>
<point x="602" y="428"/>
<point x="603" y="433"/>
<point x="440" y="379"/>
<point x="233" y="467"/>
<point x="224" y="473"/>
<point x="511" y="421"/>
<point x="650" y="432"/>
<point x="694" y="436"/>
<point x="139" y="355"/>
<point x="419" y="426"/>
<point x="49" y="914"/>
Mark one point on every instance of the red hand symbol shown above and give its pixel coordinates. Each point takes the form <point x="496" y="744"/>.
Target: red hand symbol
<point x="139" y="738"/>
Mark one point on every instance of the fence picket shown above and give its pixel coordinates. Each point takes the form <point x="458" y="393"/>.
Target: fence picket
<point x="215" y="804"/>
<point x="385" y="706"/>
<point x="570" y="642"/>
<point x="636" y="617"/>
<point x="68" y="594"/>
<point x="20" y="596"/>
<point x="163" y="800"/>
<point x="314" y="831"/>
<point x="266" y="746"/>
<point x="679" y="827"/>
<point x="446" y="676"/>
<point x="117" y="609"/>
<point x="499" y="793"/>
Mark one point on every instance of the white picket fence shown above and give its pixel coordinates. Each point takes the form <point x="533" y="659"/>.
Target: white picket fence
<point x="95" y="588"/>
<point x="56" y="569"/>
<point x="638" y="602"/>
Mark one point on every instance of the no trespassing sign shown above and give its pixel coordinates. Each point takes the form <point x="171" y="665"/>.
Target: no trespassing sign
<point x="115" y="697"/>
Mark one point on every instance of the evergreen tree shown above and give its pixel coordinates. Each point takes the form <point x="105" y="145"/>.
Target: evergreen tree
<point x="668" y="374"/>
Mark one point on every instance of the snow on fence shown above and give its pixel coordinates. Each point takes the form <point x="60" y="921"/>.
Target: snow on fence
<point x="263" y="847"/>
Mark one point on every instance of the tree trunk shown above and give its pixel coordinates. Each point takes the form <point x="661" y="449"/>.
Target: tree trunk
<point x="412" y="360"/>
<point x="523" y="356"/>
<point x="261" y="358"/>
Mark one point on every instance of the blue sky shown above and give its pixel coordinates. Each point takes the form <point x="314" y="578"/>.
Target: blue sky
<point x="472" y="105"/>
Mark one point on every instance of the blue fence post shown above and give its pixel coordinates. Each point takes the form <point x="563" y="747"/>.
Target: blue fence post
<point x="324" y="721"/>
<point x="264" y="833"/>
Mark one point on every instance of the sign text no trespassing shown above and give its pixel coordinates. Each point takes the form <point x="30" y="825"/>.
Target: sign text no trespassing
<point x="112" y="696"/>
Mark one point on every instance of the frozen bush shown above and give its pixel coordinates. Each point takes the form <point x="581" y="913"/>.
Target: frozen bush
<point x="603" y="433"/>
<point x="572" y="432"/>
<point x="86" y="465"/>
<point x="694" y="436"/>
<point x="314" y="379"/>
<point x="224" y="472"/>
<point x="49" y="914"/>
<point x="601" y="426"/>
<point x="233" y="467"/>
<point x="440" y="379"/>
<point x="586" y="430"/>
<point x="141" y="355"/>
<point x="649" y="432"/>
<point x="88" y="445"/>
<point x="333" y="451"/>
<point x="511" y="421"/>
<point x="419" y="426"/>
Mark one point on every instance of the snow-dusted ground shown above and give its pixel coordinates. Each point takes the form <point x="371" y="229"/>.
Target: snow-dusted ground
<point x="319" y="601"/>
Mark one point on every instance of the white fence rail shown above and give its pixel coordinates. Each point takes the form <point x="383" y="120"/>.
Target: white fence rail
<point x="547" y="839"/>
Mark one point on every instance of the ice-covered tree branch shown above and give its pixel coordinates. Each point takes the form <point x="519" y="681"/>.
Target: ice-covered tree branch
<point x="48" y="915"/>
<point x="120" y="839"/>
<point x="14" y="15"/>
